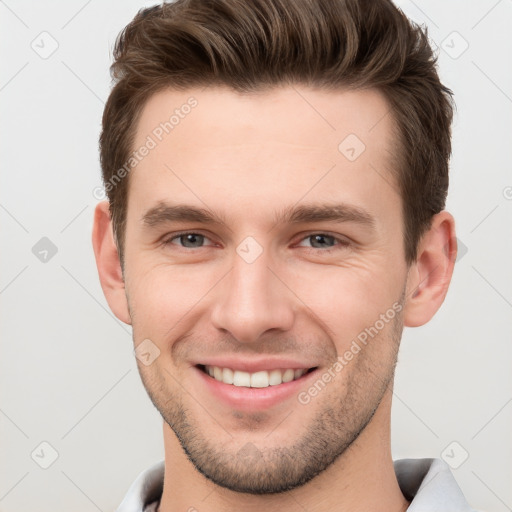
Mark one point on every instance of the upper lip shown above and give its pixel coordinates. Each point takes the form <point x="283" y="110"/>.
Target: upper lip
<point x="256" y="365"/>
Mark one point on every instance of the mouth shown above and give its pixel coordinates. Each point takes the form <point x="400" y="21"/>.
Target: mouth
<point x="259" y="379"/>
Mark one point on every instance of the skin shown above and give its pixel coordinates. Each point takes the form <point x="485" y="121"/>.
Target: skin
<point x="246" y="157"/>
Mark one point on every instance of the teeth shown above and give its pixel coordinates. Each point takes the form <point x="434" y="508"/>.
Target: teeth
<point x="227" y="376"/>
<point x="217" y="373"/>
<point x="275" y="377"/>
<point x="242" y="379"/>
<point x="288" y="375"/>
<point x="261" y="379"/>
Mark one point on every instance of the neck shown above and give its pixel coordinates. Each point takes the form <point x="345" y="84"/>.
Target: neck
<point x="361" y="479"/>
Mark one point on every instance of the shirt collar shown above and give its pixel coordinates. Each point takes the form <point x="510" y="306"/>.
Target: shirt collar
<point x="431" y="486"/>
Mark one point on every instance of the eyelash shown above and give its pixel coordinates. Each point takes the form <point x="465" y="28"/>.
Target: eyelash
<point x="342" y="243"/>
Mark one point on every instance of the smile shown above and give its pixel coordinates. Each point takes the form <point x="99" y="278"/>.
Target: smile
<point x="260" y="379"/>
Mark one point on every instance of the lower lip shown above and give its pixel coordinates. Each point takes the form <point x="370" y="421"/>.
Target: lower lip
<point x="250" y="399"/>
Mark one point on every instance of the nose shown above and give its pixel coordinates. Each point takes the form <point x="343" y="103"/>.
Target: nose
<point x="253" y="299"/>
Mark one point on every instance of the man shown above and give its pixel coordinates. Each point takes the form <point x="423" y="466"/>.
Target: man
<point x="276" y="173"/>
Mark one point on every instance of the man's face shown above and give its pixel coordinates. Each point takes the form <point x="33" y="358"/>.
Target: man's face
<point x="261" y="289"/>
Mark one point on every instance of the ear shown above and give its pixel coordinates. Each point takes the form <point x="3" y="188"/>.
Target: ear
<point x="107" y="261"/>
<point x="430" y="275"/>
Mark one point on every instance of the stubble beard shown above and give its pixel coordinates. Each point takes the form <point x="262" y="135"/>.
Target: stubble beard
<point x="258" y="469"/>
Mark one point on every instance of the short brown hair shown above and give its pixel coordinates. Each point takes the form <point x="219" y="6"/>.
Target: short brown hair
<point x="249" y="45"/>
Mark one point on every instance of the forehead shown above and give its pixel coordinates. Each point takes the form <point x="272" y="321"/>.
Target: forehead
<point x="295" y="114"/>
<point x="263" y="146"/>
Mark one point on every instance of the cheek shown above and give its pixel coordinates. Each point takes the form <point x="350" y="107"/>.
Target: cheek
<point x="165" y="297"/>
<point x="347" y="300"/>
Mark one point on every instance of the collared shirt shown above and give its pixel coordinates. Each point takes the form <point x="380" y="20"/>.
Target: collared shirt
<point x="427" y="483"/>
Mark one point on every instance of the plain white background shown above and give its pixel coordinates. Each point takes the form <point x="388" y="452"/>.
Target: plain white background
<point x="67" y="370"/>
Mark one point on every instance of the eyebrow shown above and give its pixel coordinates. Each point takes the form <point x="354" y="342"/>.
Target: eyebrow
<point x="306" y="213"/>
<point x="164" y="213"/>
<point x="324" y="212"/>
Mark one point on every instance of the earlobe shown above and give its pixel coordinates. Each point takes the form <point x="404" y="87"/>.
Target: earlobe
<point x="429" y="277"/>
<point x="108" y="264"/>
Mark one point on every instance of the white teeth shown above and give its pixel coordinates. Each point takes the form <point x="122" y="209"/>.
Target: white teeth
<point x="275" y="377"/>
<point x="261" y="379"/>
<point x="217" y="373"/>
<point x="288" y="375"/>
<point x="241" y="379"/>
<point x="227" y="375"/>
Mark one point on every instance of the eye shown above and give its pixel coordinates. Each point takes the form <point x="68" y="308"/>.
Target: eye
<point x="326" y="242"/>
<point x="322" y="241"/>
<point x="188" y="240"/>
